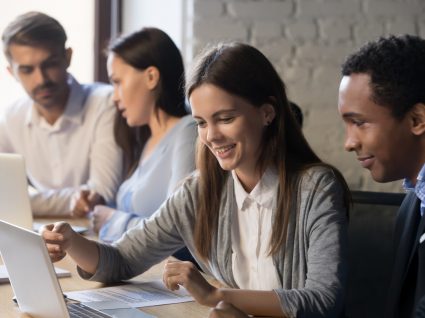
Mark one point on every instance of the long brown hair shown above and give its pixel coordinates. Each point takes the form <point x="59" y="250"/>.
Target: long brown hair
<point x="142" y="49"/>
<point x="244" y="71"/>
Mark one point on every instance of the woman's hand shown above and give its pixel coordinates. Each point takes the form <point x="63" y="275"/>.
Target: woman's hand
<point x="101" y="215"/>
<point x="187" y="275"/>
<point x="226" y="310"/>
<point x="58" y="238"/>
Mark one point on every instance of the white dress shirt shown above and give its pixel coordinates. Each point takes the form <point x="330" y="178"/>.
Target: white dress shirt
<point x="77" y="152"/>
<point x="251" y="232"/>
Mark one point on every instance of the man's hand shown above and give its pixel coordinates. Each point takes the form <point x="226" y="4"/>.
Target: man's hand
<point x="84" y="201"/>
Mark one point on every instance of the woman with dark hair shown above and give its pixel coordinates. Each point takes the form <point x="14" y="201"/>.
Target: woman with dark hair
<point x="152" y="127"/>
<point x="262" y="214"/>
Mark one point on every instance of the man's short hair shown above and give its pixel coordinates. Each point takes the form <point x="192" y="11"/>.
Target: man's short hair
<point x="33" y="29"/>
<point x="396" y="66"/>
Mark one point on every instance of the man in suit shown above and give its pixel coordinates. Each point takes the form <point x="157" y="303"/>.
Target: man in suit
<point x="382" y="103"/>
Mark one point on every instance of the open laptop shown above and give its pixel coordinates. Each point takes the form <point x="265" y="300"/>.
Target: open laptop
<point x="15" y="204"/>
<point x="33" y="278"/>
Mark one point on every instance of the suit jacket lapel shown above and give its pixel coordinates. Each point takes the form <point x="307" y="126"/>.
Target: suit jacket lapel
<point x="404" y="236"/>
<point x="415" y="234"/>
<point x="406" y="229"/>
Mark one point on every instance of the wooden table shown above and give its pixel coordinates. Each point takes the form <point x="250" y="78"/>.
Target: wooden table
<point x="190" y="309"/>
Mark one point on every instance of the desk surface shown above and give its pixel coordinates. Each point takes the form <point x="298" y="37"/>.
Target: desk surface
<point x="191" y="309"/>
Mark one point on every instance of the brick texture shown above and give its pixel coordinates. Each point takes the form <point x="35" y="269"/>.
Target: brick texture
<point x="307" y="40"/>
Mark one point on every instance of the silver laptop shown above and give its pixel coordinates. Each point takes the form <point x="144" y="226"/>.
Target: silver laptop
<point x="33" y="278"/>
<point x="15" y="205"/>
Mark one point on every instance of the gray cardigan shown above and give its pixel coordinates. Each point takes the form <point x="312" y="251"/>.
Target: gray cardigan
<point x="312" y="272"/>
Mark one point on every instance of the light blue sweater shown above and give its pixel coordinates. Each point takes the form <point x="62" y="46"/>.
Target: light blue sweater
<point x="154" y="180"/>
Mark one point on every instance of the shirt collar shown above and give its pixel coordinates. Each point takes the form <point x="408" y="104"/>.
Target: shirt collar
<point x="419" y="188"/>
<point x="420" y="180"/>
<point x="264" y="192"/>
<point x="73" y="108"/>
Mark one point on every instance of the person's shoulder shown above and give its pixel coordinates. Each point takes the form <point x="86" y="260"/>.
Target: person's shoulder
<point x="98" y="98"/>
<point x="187" y="189"/>
<point x="187" y="125"/>
<point x="98" y="89"/>
<point x="319" y="174"/>
<point x="191" y="181"/>
<point x="18" y="109"/>
<point x="186" y="131"/>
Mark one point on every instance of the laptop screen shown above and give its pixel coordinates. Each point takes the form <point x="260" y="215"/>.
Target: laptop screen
<point x="15" y="205"/>
<point x="31" y="272"/>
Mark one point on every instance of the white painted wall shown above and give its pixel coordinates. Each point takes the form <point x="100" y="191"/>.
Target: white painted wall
<point x="167" y="15"/>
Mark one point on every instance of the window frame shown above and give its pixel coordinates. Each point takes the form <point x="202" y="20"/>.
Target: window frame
<point x="108" y="25"/>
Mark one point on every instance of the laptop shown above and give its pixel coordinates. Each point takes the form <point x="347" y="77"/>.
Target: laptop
<point x="33" y="278"/>
<point x="15" y="206"/>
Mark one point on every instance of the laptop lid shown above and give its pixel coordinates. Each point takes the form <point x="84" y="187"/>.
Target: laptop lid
<point x="31" y="272"/>
<point x="15" y="205"/>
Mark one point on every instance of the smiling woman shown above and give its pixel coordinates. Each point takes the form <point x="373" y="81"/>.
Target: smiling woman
<point x="263" y="214"/>
<point x="232" y="130"/>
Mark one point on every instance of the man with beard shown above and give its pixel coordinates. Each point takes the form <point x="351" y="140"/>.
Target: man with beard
<point x="63" y="129"/>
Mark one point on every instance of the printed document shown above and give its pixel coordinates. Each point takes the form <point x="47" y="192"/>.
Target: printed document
<point x="152" y="293"/>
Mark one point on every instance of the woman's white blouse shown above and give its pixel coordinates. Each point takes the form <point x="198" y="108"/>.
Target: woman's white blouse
<point x="251" y="232"/>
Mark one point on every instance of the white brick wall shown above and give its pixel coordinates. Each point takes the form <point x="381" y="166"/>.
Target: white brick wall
<point x="301" y="30"/>
<point x="327" y="8"/>
<point x="307" y="40"/>
<point x="208" y="8"/>
<point x="260" y="10"/>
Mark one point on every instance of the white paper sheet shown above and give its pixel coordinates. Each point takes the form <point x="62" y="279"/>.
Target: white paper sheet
<point x="145" y="294"/>
<point x="4" y="276"/>
<point x="118" y="309"/>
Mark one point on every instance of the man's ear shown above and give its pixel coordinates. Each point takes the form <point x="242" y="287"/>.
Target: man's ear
<point x="68" y="56"/>
<point x="417" y="115"/>
<point x="152" y="77"/>
<point x="12" y="72"/>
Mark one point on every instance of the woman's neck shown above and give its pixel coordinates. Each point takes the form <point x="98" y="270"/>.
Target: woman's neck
<point x="160" y="124"/>
<point x="249" y="180"/>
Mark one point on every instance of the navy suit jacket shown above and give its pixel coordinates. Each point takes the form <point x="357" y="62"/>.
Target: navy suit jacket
<point x="406" y="285"/>
<point x="420" y="309"/>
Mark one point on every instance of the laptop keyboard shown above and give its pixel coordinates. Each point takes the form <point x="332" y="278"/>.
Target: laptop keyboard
<point x="78" y="310"/>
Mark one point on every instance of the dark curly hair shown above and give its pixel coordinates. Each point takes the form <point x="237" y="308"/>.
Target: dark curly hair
<point x="396" y="66"/>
